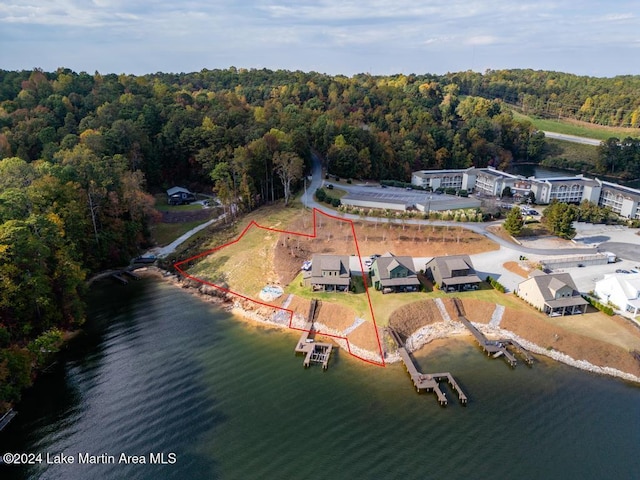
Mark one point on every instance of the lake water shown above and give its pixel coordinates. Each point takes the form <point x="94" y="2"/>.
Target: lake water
<point x="159" y="371"/>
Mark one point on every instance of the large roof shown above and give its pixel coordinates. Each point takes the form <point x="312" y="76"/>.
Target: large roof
<point x="549" y="283"/>
<point x="387" y="262"/>
<point x="448" y="264"/>
<point x="174" y="190"/>
<point x="335" y="263"/>
<point x="628" y="283"/>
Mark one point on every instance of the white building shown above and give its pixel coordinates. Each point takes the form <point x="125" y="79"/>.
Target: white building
<point x="621" y="290"/>
<point x="567" y="189"/>
<point x="624" y="201"/>
<point x="434" y="179"/>
<point x="492" y="182"/>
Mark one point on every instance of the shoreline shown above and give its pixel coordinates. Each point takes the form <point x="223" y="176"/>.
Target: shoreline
<point x="416" y="341"/>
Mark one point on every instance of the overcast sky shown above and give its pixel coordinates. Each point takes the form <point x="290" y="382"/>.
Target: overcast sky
<point x="586" y="37"/>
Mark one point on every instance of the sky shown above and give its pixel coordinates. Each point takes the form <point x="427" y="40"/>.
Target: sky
<point x="380" y="37"/>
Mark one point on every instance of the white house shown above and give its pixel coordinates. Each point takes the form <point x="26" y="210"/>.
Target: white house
<point x="555" y="293"/>
<point x="622" y="290"/>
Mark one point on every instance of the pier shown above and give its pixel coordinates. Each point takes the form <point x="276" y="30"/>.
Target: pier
<point x="428" y="382"/>
<point x="494" y="348"/>
<point x="123" y="276"/>
<point x="6" y="418"/>
<point x="314" y="352"/>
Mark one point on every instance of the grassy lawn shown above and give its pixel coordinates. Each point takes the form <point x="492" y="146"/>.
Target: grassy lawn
<point x="162" y="205"/>
<point x="570" y="151"/>
<point x="581" y="130"/>
<point x="247" y="266"/>
<point x="384" y="305"/>
<point x="357" y="302"/>
<point x="165" y="233"/>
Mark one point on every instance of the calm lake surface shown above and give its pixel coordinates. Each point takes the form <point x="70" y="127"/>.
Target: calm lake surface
<point x="159" y="371"/>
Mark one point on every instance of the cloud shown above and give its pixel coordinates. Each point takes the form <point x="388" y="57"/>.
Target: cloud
<point x="281" y="33"/>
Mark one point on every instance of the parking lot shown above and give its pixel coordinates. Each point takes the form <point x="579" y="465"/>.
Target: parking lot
<point x="423" y="200"/>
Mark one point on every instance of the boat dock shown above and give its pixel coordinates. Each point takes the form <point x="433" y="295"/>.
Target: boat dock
<point x="494" y="348"/>
<point x="428" y="382"/>
<point x="6" y="418"/>
<point x="120" y="275"/>
<point x="314" y="352"/>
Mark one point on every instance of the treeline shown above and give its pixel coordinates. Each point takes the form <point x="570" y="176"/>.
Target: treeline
<point x="179" y="127"/>
<point x="59" y="219"/>
<point x="603" y="101"/>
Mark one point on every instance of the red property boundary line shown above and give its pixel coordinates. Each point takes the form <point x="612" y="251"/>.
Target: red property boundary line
<point x="316" y="212"/>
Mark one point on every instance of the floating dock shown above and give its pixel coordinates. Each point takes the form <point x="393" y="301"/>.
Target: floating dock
<point x="428" y="382"/>
<point x="495" y="348"/>
<point x="314" y="352"/>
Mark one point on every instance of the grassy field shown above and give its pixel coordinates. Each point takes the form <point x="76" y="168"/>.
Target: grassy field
<point x="385" y="305"/>
<point x="165" y="233"/>
<point x="570" y="151"/>
<point x="580" y="129"/>
<point x="247" y="266"/>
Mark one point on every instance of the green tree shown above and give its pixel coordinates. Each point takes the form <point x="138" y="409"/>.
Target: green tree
<point x="514" y="222"/>
<point x="559" y="218"/>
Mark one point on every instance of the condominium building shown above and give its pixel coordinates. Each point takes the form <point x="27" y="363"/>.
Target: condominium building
<point x="624" y="201"/>
<point x="434" y="179"/>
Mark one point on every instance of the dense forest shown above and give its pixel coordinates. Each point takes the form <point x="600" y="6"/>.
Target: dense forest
<point x="80" y="152"/>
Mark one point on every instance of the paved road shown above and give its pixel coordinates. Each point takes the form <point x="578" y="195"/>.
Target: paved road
<point x="164" y="251"/>
<point x="572" y="138"/>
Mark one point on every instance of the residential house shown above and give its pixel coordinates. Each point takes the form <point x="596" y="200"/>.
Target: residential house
<point x="621" y="290"/>
<point x="552" y="293"/>
<point x="329" y="273"/>
<point x="452" y="273"/>
<point x="391" y="273"/>
<point x="179" y="196"/>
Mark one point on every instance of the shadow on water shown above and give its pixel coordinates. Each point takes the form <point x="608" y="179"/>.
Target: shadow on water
<point x="128" y="384"/>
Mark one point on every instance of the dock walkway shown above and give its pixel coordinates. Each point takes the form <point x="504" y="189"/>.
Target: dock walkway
<point x="6" y="418"/>
<point x="428" y="382"/>
<point x="314" y="352"/>
<point x="495" y="348"/>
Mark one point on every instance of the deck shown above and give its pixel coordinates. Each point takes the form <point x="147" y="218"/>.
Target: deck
<point x="494" y="348"/>
<point x="314" y="352"/>
<point x="427" y="382"/>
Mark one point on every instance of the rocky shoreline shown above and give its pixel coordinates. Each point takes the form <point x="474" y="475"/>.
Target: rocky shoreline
<point x="420" y="338"/>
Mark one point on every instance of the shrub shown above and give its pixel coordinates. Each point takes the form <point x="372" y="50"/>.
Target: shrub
<point x="495" y="284"/>
<point x="600" y="306"/>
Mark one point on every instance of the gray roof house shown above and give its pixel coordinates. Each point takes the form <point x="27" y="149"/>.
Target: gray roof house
<point x="391" y="273"/>
<point x="329" y="273"/>
<point x="179" y="196"/>
<point x="452" y="273"/>
<point x="554" y="294"/>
